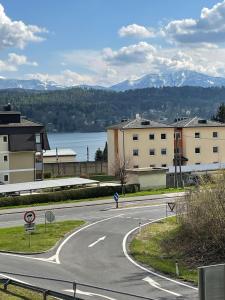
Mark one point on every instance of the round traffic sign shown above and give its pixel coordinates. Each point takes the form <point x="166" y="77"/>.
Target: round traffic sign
<point x="49" y="215"/>
<point x="29" y="217"/>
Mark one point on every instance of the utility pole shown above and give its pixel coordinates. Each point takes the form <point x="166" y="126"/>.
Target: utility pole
<point x="175" y="160"/>
<point x="57" y="159"/>
<point x="87" y="153"/>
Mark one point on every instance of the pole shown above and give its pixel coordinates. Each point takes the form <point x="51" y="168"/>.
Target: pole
<point x="175" y="159"/>
<point x="87" y="153"/>
<point x="57" y="159"/>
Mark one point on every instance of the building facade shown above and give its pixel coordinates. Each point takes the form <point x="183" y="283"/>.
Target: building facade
<point x="139" y="143"/>
<point x="142" y="143"/>
<point x="20" y="140"/>
<point x="199" y="141"/>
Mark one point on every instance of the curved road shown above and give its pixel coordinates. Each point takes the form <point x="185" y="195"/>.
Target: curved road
<point x="96" y="254"/>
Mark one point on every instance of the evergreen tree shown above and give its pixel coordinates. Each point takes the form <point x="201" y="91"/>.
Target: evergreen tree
<point x="220" y="115"/>
<point x="105" y="152"/>
<point x="98" y="155"/>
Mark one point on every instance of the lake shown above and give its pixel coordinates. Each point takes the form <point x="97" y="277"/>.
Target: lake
<point x="79" y="142"/>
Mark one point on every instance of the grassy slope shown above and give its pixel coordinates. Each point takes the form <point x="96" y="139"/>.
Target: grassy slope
<point x="16" y="239"/>
<point x="16" y="293"/>
<point x="146" y="248"/>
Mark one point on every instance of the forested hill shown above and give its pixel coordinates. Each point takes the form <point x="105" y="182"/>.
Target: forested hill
<point x="80" y="109"/>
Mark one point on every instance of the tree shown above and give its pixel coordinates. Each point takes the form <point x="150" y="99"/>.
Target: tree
<point x="220" y="115"/>
<point x="98" y="155"/>
<point x="105" y="152"/>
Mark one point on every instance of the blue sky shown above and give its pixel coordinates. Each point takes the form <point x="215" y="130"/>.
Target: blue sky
<point x="104" y="42"/>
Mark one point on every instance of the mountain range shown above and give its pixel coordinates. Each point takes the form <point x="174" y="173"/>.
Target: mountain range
<point x="166" y="79"/>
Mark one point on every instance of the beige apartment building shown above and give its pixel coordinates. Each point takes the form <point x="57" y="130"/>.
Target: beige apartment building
<point x="200" y="141"/>
<point x="142" y="143"/>
<point x="139" y="143"/>
<point x="20" y="140"/>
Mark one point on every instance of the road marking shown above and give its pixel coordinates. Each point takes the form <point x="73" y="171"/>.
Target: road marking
<point x="89" y="294"/>
<point x="96" y="242"/>
<point x="138" y="207"/>
<point x="143" y="268"/>
<point x="157" y="286"/>
<point x="56" y="256"/>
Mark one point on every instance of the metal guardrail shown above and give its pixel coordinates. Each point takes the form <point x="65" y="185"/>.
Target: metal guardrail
<point x="46" y="292"/>
<point x="6" y="282"/>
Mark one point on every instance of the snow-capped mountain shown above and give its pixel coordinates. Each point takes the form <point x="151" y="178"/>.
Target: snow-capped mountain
<point x="177" y="78"/>
<point x="30" y="84"/>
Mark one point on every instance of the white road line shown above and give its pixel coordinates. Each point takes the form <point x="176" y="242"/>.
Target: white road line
<point x="143" y="268"/>
<point x="138" y="207"/>
<point x="56" y="256"/>
<point x="96" y="242"/>
<point x="157" y="286"/>
<point x="89" y="294"/>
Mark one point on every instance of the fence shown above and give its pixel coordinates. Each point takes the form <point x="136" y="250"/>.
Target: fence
<point x="90" y="289"/>
<point x="77" y="169"/>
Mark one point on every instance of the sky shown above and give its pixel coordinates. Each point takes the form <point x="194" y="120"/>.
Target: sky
<point x="100" y="42"/>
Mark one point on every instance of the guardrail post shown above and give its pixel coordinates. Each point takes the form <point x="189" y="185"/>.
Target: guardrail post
<point x="74" y="290"/>
<point x="45" y="294"/>
<point x="6" y="284"/>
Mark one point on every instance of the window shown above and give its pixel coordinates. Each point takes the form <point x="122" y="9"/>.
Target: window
<point x="198" y="163"/>
<point x="163" y="151"/>
<point x="177" y="150"/>
<point x="5" y="158"/>
<point x="152" y="152"/>
<point x="177" y="135"/>
<point x="135" y="152"/>
<point x="215" y="149"/>
<point x="215" y="134"/>
<point x="215" y="162"/>
<point x="5" y="139"/>
<point x="151" y="136"/>
<point x="197" y="150"/>
<point x="163" y="165"/>
<point x="135" y="166"/>
<point x="6" y="178"/>
<point x="152" y="166"/>
<point x="163" y="136"/>
<point x="135" y="137"/>
<point x="197" y="135"/>
<point x="38" y="138"/>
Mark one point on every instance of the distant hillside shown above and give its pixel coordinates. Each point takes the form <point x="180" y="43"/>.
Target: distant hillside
<point x="172" y="79"/>
<point x="80" y="109"/>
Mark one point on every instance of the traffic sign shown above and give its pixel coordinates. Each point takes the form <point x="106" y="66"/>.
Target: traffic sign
<point x="116" y="197"/>
<point x="29" y="217"/>
<point x="49" y="216"/>
<point x="171" y="205"/>
<point x="29" y="227"/>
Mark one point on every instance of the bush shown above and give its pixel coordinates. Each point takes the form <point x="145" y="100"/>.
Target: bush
<point x="202" y="221"/>
<point x="72" y="194"/>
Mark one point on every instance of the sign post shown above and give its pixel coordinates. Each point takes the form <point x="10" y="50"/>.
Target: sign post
<point x="116" y="198"/>
<point x="49" y="217"/>
<point x="29" y="218"/>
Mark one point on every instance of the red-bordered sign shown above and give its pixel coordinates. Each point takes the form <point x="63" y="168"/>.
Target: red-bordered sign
<point x="29" y="217"/>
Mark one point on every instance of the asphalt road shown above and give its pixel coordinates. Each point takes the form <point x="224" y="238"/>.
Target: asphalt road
<point x="96" y="254"/>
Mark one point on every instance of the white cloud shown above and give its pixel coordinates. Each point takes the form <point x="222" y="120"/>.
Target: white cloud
<point x="17" y="33"/>
<point x="135" y="30"/>
<point x="209" y="28"/>
<point x="14" y="61"/>
<point x="137" y="53"/>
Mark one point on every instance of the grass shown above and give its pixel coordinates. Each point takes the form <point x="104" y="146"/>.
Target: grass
<point x="17" y="293"/>
<point x="147" y="248"/>
<point x="17" y="240"/>
<point x="141" y="193"/>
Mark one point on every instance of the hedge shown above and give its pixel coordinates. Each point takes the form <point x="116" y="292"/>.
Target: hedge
<point x="72" y="194"/>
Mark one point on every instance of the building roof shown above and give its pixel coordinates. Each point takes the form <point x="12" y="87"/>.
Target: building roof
<point x="139" y="123"/>
<point x="60" y="152"/>
<point x="45" y="184"/>
<point x="196" y="122"/>
<point x="23" y="123"/>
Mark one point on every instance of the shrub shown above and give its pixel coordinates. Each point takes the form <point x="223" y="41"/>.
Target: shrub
<point x="72" y="194"/>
